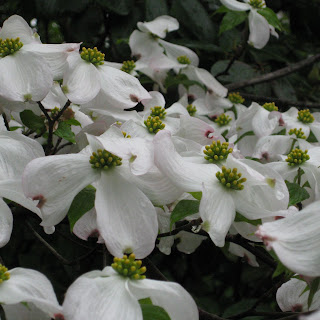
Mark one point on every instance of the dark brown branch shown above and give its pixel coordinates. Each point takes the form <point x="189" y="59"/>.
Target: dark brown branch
<point x="2" y="313"/>
<point x="280" y="102"/>
<point x="185" y="227"/>
<point x="6" y="121"/>
<point x="55" y="252"/>
<point x="255" y="251"/>
<point x="275" y="74"/>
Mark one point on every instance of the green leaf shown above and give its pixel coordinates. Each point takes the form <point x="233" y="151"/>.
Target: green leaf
<point x="32" y="121"/>
<point x="145" y="301"/>
<point x="184" y="209"/>
<point x="72" y="122"/>
<point x="194" y="17"/>
<point x="222" y="9"/>
<point x="271" y="17"/>
<point x="82" y="203"/>
<point x="196" y="195"/>
<point x="249" y="133"/>
<point x="15" y="128"/>
<point x="121" y="7"/>
<point x="239" y="307"/>
<point x="240" y="218"/>
<point x="312" y="137"/>
<point x="155" y="8"/>
<point x="231" y="20"/>
<point x="151" y="312"/>
<point x="313" y="289"/>
<point x="296" y="193"/>
<point x="64" y="131"/>
<point x="174" y="80"/>
<point x="282" y="269"/>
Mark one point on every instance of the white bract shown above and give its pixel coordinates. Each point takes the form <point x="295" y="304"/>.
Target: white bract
<point x="106" y="294"/>
<point x="21" y="285"/>
<point x="259" y="27"/>
<point x="16" y="151"/>
<point x="295" y="239"/>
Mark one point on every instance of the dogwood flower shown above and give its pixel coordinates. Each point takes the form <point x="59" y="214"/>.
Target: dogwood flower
<point x="126" y="218"/>
<point x="88" y="79"/>
<point x="241" y="186"/>
<point x="259" y="27"/>
<point x="28" y="67"/>
<point x="114" y="293"/>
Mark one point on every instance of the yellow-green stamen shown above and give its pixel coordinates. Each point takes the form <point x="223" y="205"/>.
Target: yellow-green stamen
<point x="154" y="124"/>
<point x="305" y="116"/>
<point x="231" y="178"/>
<point x="129" y="267"/>
<point x="4" y="274"/>
<point x="257" y="4"/>
<point x="9" y="46"/>
<point x="128" y="66"/>
<point x="235" y="98"/>
<point x="125" y="134"/>
<point x="103" y="159"/>
<point x="217" y="152"/>
<point x="191" y="109"/>
<point x="299" y="133"/>
<point x="222" y="120"/>
<point x="184" y="60"/>
<point x="93" y="56"/>
<point x="270" y="106"/>
<point x="297" y="157"/>
<point x="158" y="112"/>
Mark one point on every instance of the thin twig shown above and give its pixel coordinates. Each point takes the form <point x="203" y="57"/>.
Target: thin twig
<point x="280" y="102"/>
<point x="56" y="146"/>
<point x="6" y="121"/>
<point x="243" y="243"/>
<point x="55" y="252"/>
<point x="104" y="256"/>
<point x="275" y="74"/>
<point x="2" y="313"/>
<point x="239" y="51"/>
<point x="64" y="145"/>
<point x="187" y="226"/>
<point x="260" y="299"/>
<point x="66" y="106"/>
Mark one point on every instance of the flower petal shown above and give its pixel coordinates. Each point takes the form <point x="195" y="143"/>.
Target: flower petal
<point x="55" y="181"/>
<point x="236" y="5"/>
<point x="295" y="239"/>
<point x="168" y="295"/>
<point x="97" y="296"/>
<point x="126" y="218"/>
<point x="24" y="76"/>
<point x="54" y="54"/>
<point x="259" y="30"/>
<point x="185" y="175"/>
<point x="16" y="27"/>
<point x="120" y="88"/>
<point x="159" y="26"/>
<point x="217" y="210"/>
<point x="81" y="81"/>
<point x="6" y="223"/>
<point x="26" y="285"/>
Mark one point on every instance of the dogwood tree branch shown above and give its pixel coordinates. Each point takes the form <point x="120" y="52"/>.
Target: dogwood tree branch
<point x="275" y="74"/>
<point x="6" y="121"/>
<point x="2" y="313"/>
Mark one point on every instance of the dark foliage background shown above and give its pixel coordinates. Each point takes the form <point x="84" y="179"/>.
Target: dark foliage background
<point x="220" y="283"/>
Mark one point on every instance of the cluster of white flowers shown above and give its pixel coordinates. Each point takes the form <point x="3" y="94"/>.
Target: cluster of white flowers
<point x="207" y="147"/>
